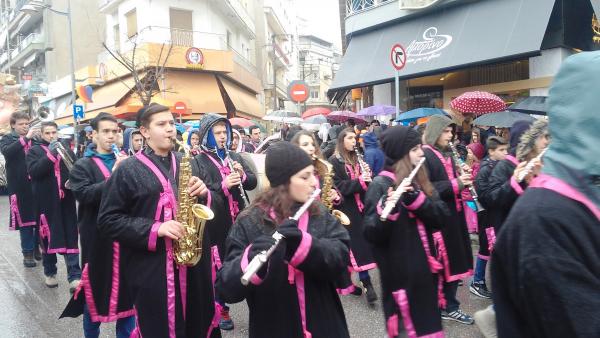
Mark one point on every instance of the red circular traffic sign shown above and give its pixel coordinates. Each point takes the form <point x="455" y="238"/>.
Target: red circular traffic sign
<point x="398" y="56"/>
<point x="298" y="91"/>
<point x="180" y="108"/>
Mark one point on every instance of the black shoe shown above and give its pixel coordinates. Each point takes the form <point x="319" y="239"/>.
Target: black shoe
<point x="458" y="316"/>
<point x="28" y="261"/>
<point x="460" y="282"/>
<point x="358" y="290"/>
<point x="371" y="294"/>
<point x="480" y="290"/>
<point x="37" y="254"/>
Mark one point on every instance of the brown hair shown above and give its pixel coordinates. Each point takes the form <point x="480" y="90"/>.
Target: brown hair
<point x="348" y="156"/>
<point x="279" y="200"/>
<point x="404" y="167"/>
<point x="296" y="140"/>
<point x="493" y="142"/>
<point x="145" y="114"/>
<point x="46" y="124"/>
<point x="18" y="115"/>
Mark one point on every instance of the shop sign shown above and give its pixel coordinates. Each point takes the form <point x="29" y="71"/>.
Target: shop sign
<point x="194" y="58"/>
<point x="429" y="48"/>
<point x="26" y="77"/>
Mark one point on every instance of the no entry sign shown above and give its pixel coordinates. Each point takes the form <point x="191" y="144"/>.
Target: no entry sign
<point x="180" y="108"/>
<point x="398" y="56"/>
<point x="298" y="91"/>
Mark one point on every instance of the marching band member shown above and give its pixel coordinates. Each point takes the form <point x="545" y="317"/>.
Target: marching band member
<point x="403" y="244"/>
<point x="138" y="209"/>
<point x="293" y="295"/>
<point x="133" y="141"/>
<point x="193" y="141"/>
<point x="55" y="205"/>
<point x="351" y="180"/>
<point x="101" y="257"/>
<point x="452" y="241"/>
<point x="14" y="147"/>
<point x="224" y="186"/>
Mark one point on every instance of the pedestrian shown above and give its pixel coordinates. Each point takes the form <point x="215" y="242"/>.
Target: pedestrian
<point x="545" y="267"/>
<point x="14" y="147"/>
<point x="403" y="244"/>
<point x="453" y="242"/>
<point x="255" y="138"/>
<point x="328" y="147"/>
<point x="224" y="187"/>
<point x="351" y="179"/>
<point x="133" y="141"/>
<point x="101" y="257"/>
<point x="138" y="209"/>
<point x="475" y="152"/>
<point x="55" y="205"/>
<point x="293" y="295"/>
<point x="374" y="156"/>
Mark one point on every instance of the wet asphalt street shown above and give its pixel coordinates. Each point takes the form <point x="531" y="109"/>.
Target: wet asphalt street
<point x="30" y="309"/>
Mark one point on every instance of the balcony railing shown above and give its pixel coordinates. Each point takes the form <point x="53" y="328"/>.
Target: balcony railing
<point x="358" y="6"/>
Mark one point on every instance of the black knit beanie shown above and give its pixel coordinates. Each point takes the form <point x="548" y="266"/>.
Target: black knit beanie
<point x="283" y="161"/>
<point x="397" y="141"/>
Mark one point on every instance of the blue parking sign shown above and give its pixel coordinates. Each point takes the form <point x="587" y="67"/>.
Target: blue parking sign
<point x="78" y="113"/>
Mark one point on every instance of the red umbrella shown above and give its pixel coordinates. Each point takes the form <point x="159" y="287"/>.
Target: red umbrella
<point x="316" y="111"/>
<point x="478" y="103"/>
<point x="240" y="121"/>
<point x="343" y="116"/>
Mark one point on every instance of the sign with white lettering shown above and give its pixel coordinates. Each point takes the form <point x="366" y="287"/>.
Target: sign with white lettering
<point x="429" y="48"/>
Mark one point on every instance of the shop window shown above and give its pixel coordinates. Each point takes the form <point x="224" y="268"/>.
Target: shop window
<point x="131" y="18"/>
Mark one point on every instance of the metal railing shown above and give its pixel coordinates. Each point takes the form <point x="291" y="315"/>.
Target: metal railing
<point x="358" y="6"/>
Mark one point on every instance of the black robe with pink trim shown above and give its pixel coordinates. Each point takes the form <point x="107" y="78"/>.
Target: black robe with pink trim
<point x="170" y="301"/>
<point x="353" y="189"/>
<point x="452" y="242"/>
<point x="14" y="148"/>
<point x="404" y="250"/>
<point x="546" y="264"/>
<point x="225" y="203"/>
<point x="303" y="288"/>
<point x="55" y="205"/>
<point x="503" y="191"/>
<point x="102" y="284"/>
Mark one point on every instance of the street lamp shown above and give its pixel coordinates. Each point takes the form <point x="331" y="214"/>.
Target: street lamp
<point x="37" y="6"/>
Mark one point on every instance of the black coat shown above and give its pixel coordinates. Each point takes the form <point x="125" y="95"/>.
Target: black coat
<point x="57" y="217"/>
<point x="454" y="244"/>
<point x="274" y="305"/>
<point x="546" y="268"/>
<point x="501" y="193"/>
<point x="401" y="247"/>
<point x="15" y="148"/>
<point x="127" y="214"/>
<point x="219" y="226"/>
<point x="361" y="256"/>
<point x="482" y="186"/>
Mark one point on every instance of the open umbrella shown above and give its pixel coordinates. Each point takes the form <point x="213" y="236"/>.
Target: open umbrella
<point x="283" y="117"/>
<point x="316" y="119"/>
<point x="240" y="121"/>
<point x="478" y="103"/>
<point x="343" y="116"/>
<point x="378" y="109"/>
<point x="129" y="124"/>
<point x="531" y="105"/>
<point x="419" y="113"/>
<point x="503" y="119"/>
<point x="316" y="111"/>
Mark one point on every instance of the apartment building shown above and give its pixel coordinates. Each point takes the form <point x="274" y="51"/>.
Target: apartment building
<point x="318" y="62"/>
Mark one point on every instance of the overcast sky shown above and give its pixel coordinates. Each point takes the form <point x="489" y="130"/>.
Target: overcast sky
<point x="323" y="19"/>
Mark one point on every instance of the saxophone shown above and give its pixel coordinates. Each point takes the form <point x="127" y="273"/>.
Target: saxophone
<point x="188" y="249"/>
<point x="325" y="170"/>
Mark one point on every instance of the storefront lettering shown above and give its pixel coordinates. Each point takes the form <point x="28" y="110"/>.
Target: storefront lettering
<point x="429" y="48"/>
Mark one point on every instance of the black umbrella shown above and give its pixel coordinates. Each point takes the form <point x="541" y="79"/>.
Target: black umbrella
<point x="531" y="105"/>
<point x="502" y="119"/>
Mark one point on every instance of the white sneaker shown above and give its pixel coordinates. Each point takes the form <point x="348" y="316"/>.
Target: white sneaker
<point x="73" y="285"/>
<point x="51" y="281"/>
<point x="486" y="322"/>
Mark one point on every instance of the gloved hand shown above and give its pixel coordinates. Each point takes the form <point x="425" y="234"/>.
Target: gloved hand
<point x="409" y="197"/>
<point x="261" y="243"/>
<point x="293" y="236"/>
<point x="53" y="147"/>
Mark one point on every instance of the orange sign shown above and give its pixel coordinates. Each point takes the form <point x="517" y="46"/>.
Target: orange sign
<point x="194" y="58"/>
<point x="180" y="108"/>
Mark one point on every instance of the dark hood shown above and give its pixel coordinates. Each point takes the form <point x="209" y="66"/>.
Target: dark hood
<point x="435" y="127"/>
<point x="207" y="123"/>
<point x="516" y="131"/>
<point x="127" y="136"/>
<point x="370" y="140"/>
<point x="334" y="132"/>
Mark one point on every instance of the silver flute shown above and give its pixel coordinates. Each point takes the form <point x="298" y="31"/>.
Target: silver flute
<point x="364" y="167"/>
<point x="262" y="257"/>
<point x="389" y="205"/>
<point x="529" y="167"/>
<point x="471" y="188"/>
<point x="241" y="185"/>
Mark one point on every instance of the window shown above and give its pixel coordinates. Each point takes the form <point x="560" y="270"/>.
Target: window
<point x="228" y="37"/>
<point x="131" y="18"/>
<point x="116" y="37"/>
<point x="181" y="27"/>
<point x="314" y="93"/>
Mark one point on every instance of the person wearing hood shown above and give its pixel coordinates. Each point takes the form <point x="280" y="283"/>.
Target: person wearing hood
<point x="87" y="181"/>
<point x="411" y="298"/>
<point x="453" y="242"/>
<point x="133" y="141"/>
<point x="225" y="187"/>
<point x="55" y="205"/>
<point x="14" y="148"/>
<point x="545" y="273"/>
<point x="193" y="141"/>
<point x="374" y="157"/>
<point x="293" y="295"/>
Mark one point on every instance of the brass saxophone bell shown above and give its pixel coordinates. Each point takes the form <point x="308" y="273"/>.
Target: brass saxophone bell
<point x="203" y="212"/>
<point x="341" y="217"/>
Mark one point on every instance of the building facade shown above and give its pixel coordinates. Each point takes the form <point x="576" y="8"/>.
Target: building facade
<point x="317" y="66"/>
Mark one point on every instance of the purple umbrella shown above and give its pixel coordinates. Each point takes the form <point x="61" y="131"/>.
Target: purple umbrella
<point x="378" y="109"/>
<point x="343" y="116"/>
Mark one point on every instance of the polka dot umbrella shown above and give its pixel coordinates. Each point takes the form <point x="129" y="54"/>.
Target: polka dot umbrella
<point x="478" y="103"/>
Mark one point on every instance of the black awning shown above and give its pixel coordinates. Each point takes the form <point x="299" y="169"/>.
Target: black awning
<point x="480" y="32"/>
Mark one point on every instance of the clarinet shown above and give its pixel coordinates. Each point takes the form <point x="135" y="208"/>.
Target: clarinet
<point x="529" y="166"/>
<point x="241" y="185"/>
<point x="462" y="172"/>
<point x="364" y="167"/>
<point x="259" y="260"/>
<point x="398" y="192"/>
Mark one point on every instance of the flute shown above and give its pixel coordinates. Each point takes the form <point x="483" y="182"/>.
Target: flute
<point x="529" y="167"/>
<point x="389" y="205"/>
<point x="241" y="185"/>
<point x="471" y="188"/>
<point x="259" y="260"/>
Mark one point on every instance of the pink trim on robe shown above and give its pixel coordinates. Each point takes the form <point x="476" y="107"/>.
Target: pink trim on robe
<point x="302" y="250"/>
<point x="392" y="326"/>
<point x="401" y="299"/>
<point x="448" y="167"/>
<point x="153" y="236"/>
<point x="417" y="203"/>
<point x="484" y="257"/>
<point x="351" y="173"/>
<point x="388" y="174"/>
<point x="516" y="186"/>
<point x="561" y="187"/>
<point x="217" y="307"/>
<point x="244" y="265"/>
<point x="512" y="160"/>
<point x="443" y="256"/>
<point x="56" y="165"/>
<point x="357" y="268"/>
<point x="298" y="279"/>
<point x="391" y="217"/>
<point x="346" y="291"/>
<point x="224" y="170"/>
<point x="490" y="233"/>
<point x="15" y="215"/>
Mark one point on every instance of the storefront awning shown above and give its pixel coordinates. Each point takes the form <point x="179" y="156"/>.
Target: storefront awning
<point x="476" y="33"/>
<point x="245" y="102"/>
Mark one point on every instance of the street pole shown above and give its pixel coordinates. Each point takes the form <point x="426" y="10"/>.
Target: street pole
<point x="73" y="89"/>
<point x="274" y="73"/>
<point x="397" y="93"/>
